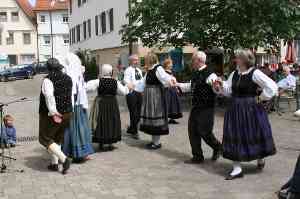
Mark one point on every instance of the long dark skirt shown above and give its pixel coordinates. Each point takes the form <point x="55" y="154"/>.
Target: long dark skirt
<point x="78" y="138"/>
<point x="154" y="116"/>
<point x="174" y="108"/>
<point x="247" y="131"/>
<point x="105" y="120"/>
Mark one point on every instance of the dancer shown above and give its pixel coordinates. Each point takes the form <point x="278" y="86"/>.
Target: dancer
<point x="247" y="130"/>
<point x="154" y="115"/>
<point x="78" y="137"/>
<point x="173" y="103"/>
<point x="55" y="113"/>
<point x="201" y="120"/>
<point x="133" y="75"/>
<point x="105" y="114"/>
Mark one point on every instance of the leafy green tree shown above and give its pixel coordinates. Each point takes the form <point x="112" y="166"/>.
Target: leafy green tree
<point x="213" y="23"/>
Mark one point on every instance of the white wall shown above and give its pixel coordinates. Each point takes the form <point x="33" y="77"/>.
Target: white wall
<point x="88" y="11"/>
<point x="24" y="25"/>
<point x="59" y="29"/>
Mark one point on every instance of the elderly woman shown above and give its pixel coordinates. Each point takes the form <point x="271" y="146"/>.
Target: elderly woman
<point x="247" y="130"/>
<point x="77" y="139"/>
<point x="154" y="115"/>
<point x="105" y="114"/>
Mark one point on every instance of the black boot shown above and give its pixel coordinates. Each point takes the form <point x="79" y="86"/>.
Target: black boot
<point x="66" y="166"/>
<point x="53" y="167"/>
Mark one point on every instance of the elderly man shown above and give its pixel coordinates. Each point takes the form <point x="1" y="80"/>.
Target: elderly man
<point x="55" y="112"/>
<point x="288" y="83"/>
<point x="133" y="75"/>
<point x="201" y="120"/>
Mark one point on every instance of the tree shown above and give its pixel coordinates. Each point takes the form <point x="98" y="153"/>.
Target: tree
<point x="212" y="23"/>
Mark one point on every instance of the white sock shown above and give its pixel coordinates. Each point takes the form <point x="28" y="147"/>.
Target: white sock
<point x="54" y="158"/>
<point x="260" y="161"/>
<point x="237" y="169"/>
<point x="156" y="139"/>
<point x="56" y="150"/>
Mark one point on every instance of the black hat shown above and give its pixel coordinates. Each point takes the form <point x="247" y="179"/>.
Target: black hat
<point x="53" y="64"/>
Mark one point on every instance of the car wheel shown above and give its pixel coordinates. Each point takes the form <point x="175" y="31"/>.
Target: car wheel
<point x="2" y="79"/>
<point x="30" y="76"/>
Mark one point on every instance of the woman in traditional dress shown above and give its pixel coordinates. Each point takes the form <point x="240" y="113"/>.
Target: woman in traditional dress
<point x="154" y="114"/>
<point x="78" y="137"/>
<point x="173" y="103"/>
<point x="105" y="114"/>
<point x="247" y="130"/>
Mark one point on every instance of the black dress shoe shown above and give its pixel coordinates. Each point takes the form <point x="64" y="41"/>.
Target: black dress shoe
<point x="66" y="166"/>
<point x="110" y="147"/>
<point x="53" y="167"/>
<point x="194" y="161"/>
<point x="233" y="177"/>
<point x="153" y="146"/>
<point x="216" y="155"/>
<point x="261" y="166"/>
<point x="172" y="121"/>
<point x="282" y="194"/>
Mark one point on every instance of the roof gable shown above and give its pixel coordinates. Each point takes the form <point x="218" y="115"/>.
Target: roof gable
<point x="27" y="9"/>
<point x="45" y="5"/>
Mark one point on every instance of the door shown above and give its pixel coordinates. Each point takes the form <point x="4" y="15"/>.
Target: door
<point x="12" y="60"/>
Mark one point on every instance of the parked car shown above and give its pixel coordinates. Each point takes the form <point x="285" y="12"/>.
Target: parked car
<point x="40" y="68"/>
<point x="17" y="72"/>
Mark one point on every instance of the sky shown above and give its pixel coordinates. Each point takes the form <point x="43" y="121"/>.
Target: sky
<point x="32" y="2"/>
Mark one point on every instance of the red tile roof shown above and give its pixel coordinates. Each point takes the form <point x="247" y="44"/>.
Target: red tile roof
<point x="27" y="8"/>
<point x="45" y="5"/>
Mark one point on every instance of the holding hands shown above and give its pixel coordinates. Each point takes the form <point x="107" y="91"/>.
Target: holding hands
<point x="217" y="84"/>
<point x="57" y="118"/>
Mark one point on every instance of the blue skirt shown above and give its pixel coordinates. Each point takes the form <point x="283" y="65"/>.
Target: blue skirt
<point x="173" y="103"/>
<point x="77" y="139"/>
<point x="247" y="131"/>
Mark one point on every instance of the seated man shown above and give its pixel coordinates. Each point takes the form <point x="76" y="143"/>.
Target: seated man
<point x="288" y="83"/>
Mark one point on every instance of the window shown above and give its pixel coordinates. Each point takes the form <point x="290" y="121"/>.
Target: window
<point x="66" y="39"/>
<point x="27" y="59"/>
<point x="26" y="38"/>
<point x="97" y="25"/>
<point x="47" y="40"/>
<point x="84" y="30"/>
<point x="43" y="19"/>
<point x="73" y="36"/>
<point x="10" y="39"/>
<point x="78" y="33"/>
<point x="79" y="3"/>
<point x="3" y="16"/>
<point x="15" y="16"/>
<point x="70" y="38"/>
<point x="103" y="22"/>
<point x="89" y="28"/>
<point x="0" y="38"/>
<point x="71" y="4"/>
<point x="111" y="19"/>
<point x="65" y="18"/>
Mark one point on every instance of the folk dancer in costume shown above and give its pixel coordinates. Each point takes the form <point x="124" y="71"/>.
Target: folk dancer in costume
<point x="105" y="114"/>
<point x="55" y="113"/>
<point x="133" y="75"/>
<point x="78" y="137"/>
<point x="173" y="103"/>
<point x="201" y="120"/>
<point x="247" y="130"/>
<point x="154" y="115"/>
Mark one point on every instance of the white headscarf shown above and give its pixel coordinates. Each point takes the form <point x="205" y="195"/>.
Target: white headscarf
<point x="106" y="70"/>
<point x="72" y="67"/>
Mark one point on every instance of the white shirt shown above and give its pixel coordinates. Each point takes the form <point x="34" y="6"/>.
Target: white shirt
<point x="94" y="84"/>
<point x="186" y="87"/>
<point x="161" y="75"/>
<point x="288" y="83"/>
<point x="129" y="77"/>
<point x="48" y="92"/>
<point x="269" y="87"/>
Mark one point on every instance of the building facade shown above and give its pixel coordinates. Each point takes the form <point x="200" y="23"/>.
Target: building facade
<point x="53" y="28"/>
<point x="18" y="35"/>
<point x="95" y="26"/>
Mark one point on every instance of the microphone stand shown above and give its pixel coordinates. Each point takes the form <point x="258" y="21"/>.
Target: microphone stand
<point x="3" y="166"/>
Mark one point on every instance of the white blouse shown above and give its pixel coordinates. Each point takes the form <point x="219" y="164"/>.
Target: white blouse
<point x="48" y="92"/>
<point x="268" y="86"/>
<point x="93" y="85"/>
<point x="161" y="75"/>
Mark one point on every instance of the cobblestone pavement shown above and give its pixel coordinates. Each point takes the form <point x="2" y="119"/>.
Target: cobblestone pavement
<point x="131" y="172"/>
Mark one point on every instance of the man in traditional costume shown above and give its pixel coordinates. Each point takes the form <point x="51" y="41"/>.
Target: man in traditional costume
<point x="55" y="113"/>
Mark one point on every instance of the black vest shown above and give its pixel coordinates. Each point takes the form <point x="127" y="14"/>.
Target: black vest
<point x="151" y="78"/>
<point x="107" y="86"/>
<point x="243" y="85"/>
<point x="62" y="84"/>
<point x="203" y="95"/>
